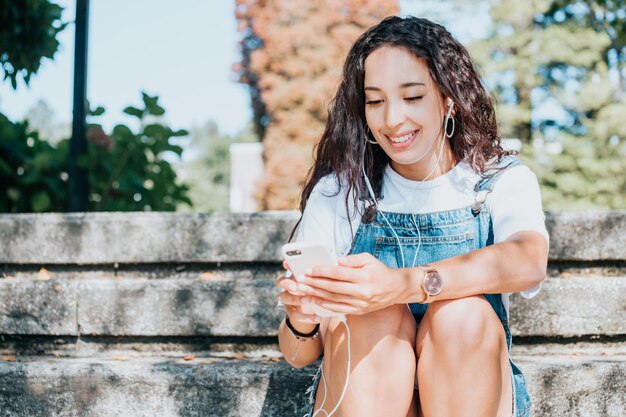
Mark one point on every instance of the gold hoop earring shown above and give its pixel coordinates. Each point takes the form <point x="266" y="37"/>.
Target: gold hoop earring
<point x="367" y="139"/>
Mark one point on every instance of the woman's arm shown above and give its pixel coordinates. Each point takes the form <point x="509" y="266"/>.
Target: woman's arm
<point x="298" y="351"/>
<point x="514" y="265"/>
<point x="362" y="283"/>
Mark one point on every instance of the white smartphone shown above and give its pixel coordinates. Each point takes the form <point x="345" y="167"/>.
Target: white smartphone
<point x="305" y="255"/>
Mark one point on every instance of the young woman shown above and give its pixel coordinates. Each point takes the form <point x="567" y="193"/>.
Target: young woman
<point x="411" y="188"/>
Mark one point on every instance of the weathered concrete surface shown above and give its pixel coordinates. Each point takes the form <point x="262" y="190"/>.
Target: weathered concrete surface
<point x="577" y="387"/>
<point x="144" y="237"/>
<point x="572" y="307"/>
<point x="150" y="387"/>
<point x="586" y="236"/>
<point x="108" y="238"/>
<point x="243" y="303"/>
<point x="178" y="307"/>
<point x="38" y="307"/>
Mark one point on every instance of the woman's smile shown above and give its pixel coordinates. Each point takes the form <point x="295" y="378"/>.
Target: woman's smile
<point x="402" y="140"/>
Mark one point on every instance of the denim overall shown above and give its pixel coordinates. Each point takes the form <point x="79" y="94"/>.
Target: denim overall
<point x="444" y="234"/>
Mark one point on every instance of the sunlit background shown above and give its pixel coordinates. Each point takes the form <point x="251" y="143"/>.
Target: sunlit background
<point x="555" y="67"/>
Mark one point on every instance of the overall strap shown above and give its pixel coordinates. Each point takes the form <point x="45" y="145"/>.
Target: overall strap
<point x="488" y="179"/>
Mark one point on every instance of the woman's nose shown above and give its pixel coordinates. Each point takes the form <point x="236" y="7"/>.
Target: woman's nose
<point x="394" y="115"/>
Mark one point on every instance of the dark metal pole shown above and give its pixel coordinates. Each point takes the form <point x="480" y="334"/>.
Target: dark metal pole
<point x="78" y="144"/>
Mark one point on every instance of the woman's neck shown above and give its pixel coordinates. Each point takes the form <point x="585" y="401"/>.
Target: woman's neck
<point x="429" y="168"/>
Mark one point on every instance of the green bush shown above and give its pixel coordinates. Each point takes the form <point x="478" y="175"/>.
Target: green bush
<point x="126" y="170"/>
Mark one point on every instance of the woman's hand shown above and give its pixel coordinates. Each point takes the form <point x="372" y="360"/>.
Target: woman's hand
<point x="359" y="285"/>
<point x="291" y="297"/>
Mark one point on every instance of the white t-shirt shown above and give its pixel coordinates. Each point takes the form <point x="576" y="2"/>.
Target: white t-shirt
<point x="514" y="205"/>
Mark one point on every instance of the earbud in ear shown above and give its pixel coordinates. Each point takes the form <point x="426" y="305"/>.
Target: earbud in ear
<point x="450" y="103"/>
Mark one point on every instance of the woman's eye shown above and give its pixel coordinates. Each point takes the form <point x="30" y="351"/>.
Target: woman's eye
<point x="416" y="98"/>
<point x="373" y="102"/>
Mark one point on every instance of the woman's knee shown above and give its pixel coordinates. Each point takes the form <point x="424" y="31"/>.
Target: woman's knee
<point x="462" y="325"/>
<point x="383" y="337"/>
<point x="396" y="321"/>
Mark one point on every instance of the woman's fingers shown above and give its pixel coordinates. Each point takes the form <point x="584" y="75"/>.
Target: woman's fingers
<point x="296" y="313"/>
<point x="290" y="299"/>
<point x="288" y="284"/>
<point x="356" y="261"/>
<point x="327" y="288"/>
<point x="337" y="273"/>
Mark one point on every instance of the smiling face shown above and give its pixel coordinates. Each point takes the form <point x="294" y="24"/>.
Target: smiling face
<point x="405" y="110"/>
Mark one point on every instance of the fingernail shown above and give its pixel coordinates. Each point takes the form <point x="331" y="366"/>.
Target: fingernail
<point x="317" y="319"/>
<point x="309" y="271"/>
<point x="292" y="287"/>
<point x="302" y="288"/>
<point x="304" y="300"/>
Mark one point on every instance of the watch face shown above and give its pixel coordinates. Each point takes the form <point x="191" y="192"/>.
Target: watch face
<point x="432" y="283"/>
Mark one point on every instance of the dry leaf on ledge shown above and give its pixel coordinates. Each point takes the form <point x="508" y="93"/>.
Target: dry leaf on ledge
<point x="205" y="276"/>
<point x="188" y="358"/>
<point x="43" y="275"/>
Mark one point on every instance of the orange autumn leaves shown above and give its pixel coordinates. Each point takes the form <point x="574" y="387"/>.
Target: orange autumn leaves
<point x="292" y="61"/>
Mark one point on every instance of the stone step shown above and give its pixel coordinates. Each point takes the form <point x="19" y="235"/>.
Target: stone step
<point x="139" y="238"/>
<point x="586" y="385"/>
<point x="243" y="303"/>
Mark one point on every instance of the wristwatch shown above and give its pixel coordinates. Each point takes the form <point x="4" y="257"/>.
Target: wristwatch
<point x="432" y="284"/>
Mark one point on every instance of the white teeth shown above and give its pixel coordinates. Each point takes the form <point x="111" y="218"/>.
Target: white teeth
<point x="402" y="138"/>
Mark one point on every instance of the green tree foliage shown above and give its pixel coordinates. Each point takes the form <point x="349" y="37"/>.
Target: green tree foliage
<point x="28" y="31"/>
<point x="207" y="172"/>
<point x="566" y="56"/>
<point x="127" y="170"/>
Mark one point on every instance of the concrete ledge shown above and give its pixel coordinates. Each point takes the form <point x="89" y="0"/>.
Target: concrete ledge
<point x="178" y="308"/>
<point x="244" y="304"/>
<point x="131" y="238"/>
<point x="577" y="387"/>
<point x="587" y="236"/>
<point x="142" y="237"/>
<point x="32" y="307"/>
<point x="572" y="307"/>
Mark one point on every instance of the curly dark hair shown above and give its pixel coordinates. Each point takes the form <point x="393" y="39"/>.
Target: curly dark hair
<point x="342" y="150"/>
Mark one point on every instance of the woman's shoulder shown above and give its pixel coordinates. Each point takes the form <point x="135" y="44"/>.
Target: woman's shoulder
<point x="330" y="186"/>
<point x="509" y="169"/>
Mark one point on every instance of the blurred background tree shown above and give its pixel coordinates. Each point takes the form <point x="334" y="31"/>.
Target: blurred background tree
<point x="292" y="54"/>
<point x="28" y="34"/>
<point x="207" y="170"/>
<point x="126" y="170"/>
<point x="557" y="69"/>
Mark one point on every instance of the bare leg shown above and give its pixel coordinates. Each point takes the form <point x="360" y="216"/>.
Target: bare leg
<point x="463" y="365"/>
<point x="382" y="365"/>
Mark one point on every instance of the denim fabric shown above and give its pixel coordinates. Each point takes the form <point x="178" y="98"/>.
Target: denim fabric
<point x="441" y="235"/>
